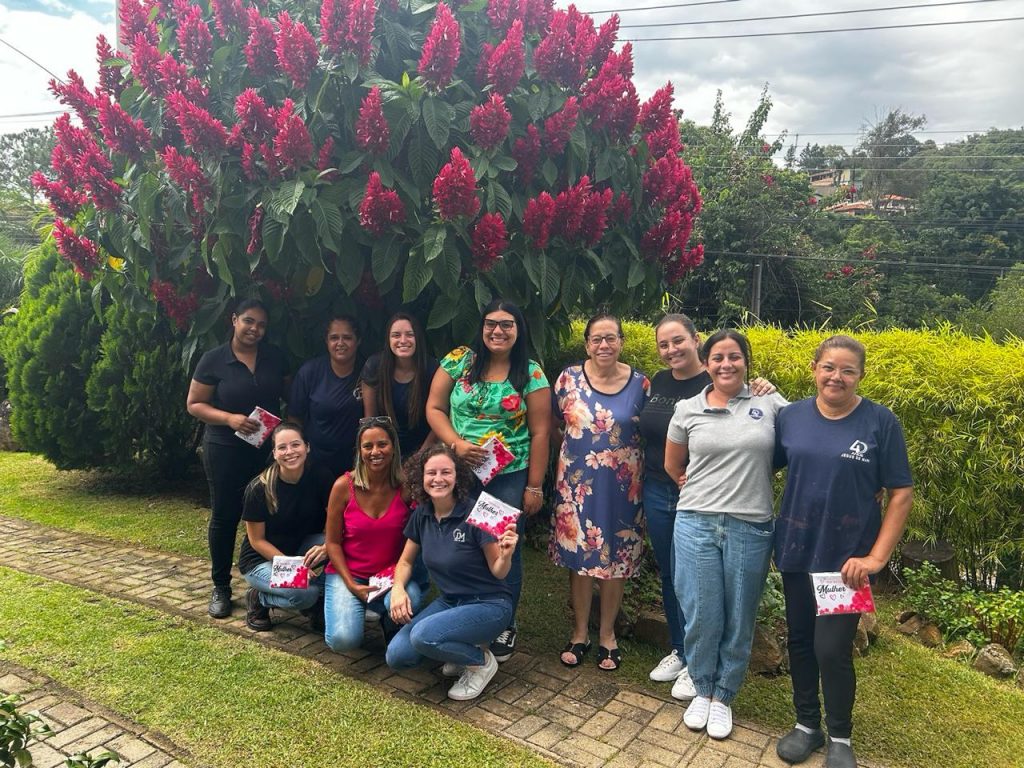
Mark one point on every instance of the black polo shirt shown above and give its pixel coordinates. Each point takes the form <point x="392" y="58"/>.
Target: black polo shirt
<point x="239" y="390"/>
<point x="453" y="552"/>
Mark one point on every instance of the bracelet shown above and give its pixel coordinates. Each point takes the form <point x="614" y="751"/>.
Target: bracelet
<point x="534" y="490"/>
<point x="451" y="447"/>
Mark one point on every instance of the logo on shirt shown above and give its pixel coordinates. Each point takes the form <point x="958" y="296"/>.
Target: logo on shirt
<point x="458" y="535"/>
<point x="756" y="414"/>
<point x="357" y="393"/>
<point x="857" y="452"/>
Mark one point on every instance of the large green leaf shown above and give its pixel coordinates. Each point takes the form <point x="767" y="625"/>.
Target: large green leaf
<point x="498" y="199"/>
<point x="443" y="312"/>
<point x="417" y="275"/>
<point x="273" y="240"/>
<point x="433" y="241"/>
<point x="437" y="116"/>
<point x="330" y="224"/>
<point x="148" y="190"/>
<point x="423" y="158"/>
<point x="551" y="281"/>
<point x="285" y="198"/>
<point x="482" y="293"/>
<point x="451" y="261"/>
<point x="533" y="263"/>
<point x="385" y="256"/>
<point x="221" y="254"/>
<point x="349" y="264"/>
<point x="636" y="273"/>
<point x="303" y="232"/>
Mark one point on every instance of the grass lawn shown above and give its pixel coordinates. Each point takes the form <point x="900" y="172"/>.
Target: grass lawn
<point x="914" y="708"/>
<point x="229" y="701"/>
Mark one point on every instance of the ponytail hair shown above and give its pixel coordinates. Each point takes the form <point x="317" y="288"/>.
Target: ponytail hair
<point x="266" y="480"/>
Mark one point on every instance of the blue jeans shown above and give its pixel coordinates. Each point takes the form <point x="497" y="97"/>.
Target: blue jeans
<point x="721" y="566"/>
<point x="451" y="630"/>
<point x="510" y="487"/>
<point x="344" y="613"/>
<point x="292" y="599"/>
<point x="660" y="500"/>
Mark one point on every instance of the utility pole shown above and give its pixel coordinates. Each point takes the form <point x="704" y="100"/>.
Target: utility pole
<point x="755" y="294"/>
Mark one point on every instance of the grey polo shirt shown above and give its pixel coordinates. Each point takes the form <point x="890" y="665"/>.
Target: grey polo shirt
<point x="730" y="450"/>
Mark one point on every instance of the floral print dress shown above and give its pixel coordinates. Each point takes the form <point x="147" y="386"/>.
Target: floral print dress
<point x="598" y="520"/>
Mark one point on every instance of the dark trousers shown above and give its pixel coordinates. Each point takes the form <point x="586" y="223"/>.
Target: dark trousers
<point x="820" y="649"/>
<point x="229" y="468"/>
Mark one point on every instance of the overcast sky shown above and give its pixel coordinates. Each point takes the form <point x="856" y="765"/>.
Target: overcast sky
<point x="961" y="77"/>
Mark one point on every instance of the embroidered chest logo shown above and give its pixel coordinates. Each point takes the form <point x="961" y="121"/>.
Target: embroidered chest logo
<point x="458" y="535"/>
<point x="756" y="414"/>
<point x="857" y="452"/>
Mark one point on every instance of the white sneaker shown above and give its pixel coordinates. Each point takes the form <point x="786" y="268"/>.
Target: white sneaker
<point x="696" y="717"/>
<point x="683" y="688"/>
<point x="719" y="720"/>
<point x="451" y="669"/>
<point x="474" y="679"/>
<point x="668" y="669"/>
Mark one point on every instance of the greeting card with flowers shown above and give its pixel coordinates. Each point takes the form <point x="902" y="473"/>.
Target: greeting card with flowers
<point x="833" y="596"/>
<point x="492" y="515"/>
<point x="498" y="457"/>
<point x="267" y="422"/>
<point x="289" y="573"/>
<point x="381" y="583"/>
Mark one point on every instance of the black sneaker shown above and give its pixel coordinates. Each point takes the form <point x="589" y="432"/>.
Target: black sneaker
<point x="257" y="615"/>
<point x="839" y="755"/>
<point x="220" y="603"/>
<point x="504" y="645"/>
<point x="797" y="745"/>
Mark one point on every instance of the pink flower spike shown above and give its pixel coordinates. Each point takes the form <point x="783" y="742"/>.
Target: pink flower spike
<point x="440" y="49"/>
<point x="455" y="188"/>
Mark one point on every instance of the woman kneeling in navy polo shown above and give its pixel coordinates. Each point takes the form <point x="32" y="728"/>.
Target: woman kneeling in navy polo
<point x="467" y="565"/>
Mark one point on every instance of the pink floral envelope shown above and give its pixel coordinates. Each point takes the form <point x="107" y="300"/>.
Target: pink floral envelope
<point x="381" y="583"/>
<point x="289" y="573"/>
<point x="267" y="422"/>
<point x="498" y="457"/>
<point x="833" y="596"/>
<point x="492" y="515"/>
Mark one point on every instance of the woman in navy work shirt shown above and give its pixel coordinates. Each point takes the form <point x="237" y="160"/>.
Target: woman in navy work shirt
<point x="842" y="449"/>
<point x="229" y="382"/>
<point x="468" y="567"/>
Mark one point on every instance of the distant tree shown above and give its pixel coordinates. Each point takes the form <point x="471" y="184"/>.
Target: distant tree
<point x="884" y="146"/>
<point x="1004" y="314"/>
<point x="21" y="155"/>
<point x="815" y="157"/>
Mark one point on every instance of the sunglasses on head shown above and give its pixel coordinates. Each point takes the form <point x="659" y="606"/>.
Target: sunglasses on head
<point x="375" y="421"/>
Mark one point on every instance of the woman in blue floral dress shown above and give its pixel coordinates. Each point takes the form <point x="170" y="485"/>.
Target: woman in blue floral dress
<point x="598" y="521"/>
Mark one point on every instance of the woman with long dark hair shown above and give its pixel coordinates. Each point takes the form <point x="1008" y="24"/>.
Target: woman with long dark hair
<point x="493" y="389"/>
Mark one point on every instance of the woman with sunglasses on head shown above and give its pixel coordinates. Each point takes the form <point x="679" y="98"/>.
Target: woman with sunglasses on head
<point x="229" y="382"/>
<point x="842" y="450"/>
<point x="493" y="388"/>
<point x="326" y="397"/>
<point x="284" y="513"/>
<point x="598" y="528"/>
<point x="396" y="382"/>
<point x="366" y="517"/>
<point x="469" y="568"/>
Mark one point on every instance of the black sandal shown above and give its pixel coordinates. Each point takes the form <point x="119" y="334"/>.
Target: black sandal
<point x="612" y="654"/>
<point x="578" y="651"/>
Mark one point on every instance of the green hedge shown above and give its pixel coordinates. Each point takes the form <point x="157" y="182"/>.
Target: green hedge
<point x="961" y="402"/>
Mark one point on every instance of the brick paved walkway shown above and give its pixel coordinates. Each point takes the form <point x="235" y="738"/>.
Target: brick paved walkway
<point x="575" y="717"/>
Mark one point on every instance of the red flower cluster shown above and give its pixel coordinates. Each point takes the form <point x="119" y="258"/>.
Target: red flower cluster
<point x="134" y="21"/>
<point x="595" y="216"/>
<point x="194" y="36"/>
<point x="184" y="171"/>
<point x="664" y="140"/>
<point x="537" y="219"/>
<point x="296" y="49"/>
<point x="111" y="81"/>
<point x="347" y="26"/>
<point x="80" y="164"/>
<point x="564" y="54"/>
<point x="293" y="146"/>
<point x="502" y="13"/>
<point x="325" y="159"/>
<point x="64" y="200"/>
<point x="255" y="117"/>
<point x="607" y="34"/>
<point x="372" y="131"/>
<point x="74" y="94"/>
<point x="173" y="74"/>
<point x="846" y="269"/>
<point x="440" y="49"/>
<point x="610" y="97"/>
<point x="559" y="127"/>
<point x="622" y="208"/>
<point x="526" y="152"/>
<point x="676" y="267"/>
<point x="121" y="131"/>
<point x="488" y="122"/>
<point x="536" y="14"/>
<point x="668" y="236"/>
<point x="381" y="208"/>
<point x="255" y="232"/>
<point x="506" y="63"/>
<point x="82" y="252"/>
<point x="657" y="111"/>
<point x="146" y="65"/>
<point x="178" y="308"/>
<point x="227" y="15"/>
<point x="490" y="241"/>
<point x="665" y="179"/>
<point x="260" y="50"/>
<point x="767" y="179"/>
<point x="455" y="187"/>
<point x="202" y="132"/>
<point x="581" y="214"/>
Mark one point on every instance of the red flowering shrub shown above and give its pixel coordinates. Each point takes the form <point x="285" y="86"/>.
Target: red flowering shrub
<point x="381" y="208"/>
<point x="489" y="241"/>
<point x="440" y="49"/>
<point x="372" y="132"/>
<point x="455" y="188"/>
<point x="488" y="123"/>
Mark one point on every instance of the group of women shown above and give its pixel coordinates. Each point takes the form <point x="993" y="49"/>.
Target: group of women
<point x="689" y="455"/>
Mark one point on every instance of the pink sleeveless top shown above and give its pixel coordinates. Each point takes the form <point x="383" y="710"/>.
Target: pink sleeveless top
<point x="371" y="545"/>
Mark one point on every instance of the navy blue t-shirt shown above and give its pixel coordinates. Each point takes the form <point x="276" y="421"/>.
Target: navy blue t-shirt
<point x="836" y="466"/>
<point x="410" y="438"/>
<point x="453" y="552"/>
<point x="330" y="407"/>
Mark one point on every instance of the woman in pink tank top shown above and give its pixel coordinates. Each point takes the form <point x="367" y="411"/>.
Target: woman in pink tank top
<point x="366" y="516"/>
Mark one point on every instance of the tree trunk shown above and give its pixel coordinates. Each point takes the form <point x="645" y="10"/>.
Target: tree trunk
<point x="940" y="554"/>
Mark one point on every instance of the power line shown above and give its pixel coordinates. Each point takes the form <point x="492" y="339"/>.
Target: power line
<point x="822" y="31"/>
<point x="939" y="266"/>
<point x="806" y="15"/>
<point x="20" y="52"/>
<point x="660" y="7"/>
<point x="32" y="114"/>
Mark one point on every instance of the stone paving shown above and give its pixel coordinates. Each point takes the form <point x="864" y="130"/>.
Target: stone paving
<point x="574" y="717"/>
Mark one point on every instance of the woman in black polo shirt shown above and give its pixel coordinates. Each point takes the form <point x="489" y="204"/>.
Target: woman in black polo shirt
<point x="468" y="567"/>
<point x="229" y="382"/>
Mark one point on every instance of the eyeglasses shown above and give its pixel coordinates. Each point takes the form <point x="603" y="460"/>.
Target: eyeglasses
<point x="847" y="373"/>
<point x="375" y="421"/>
<point x="505" y="325"/>
<point x="610" y="339"/>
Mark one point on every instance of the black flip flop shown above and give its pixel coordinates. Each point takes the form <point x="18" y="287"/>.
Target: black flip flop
<point x="578" y="650"/>
<point x="614" y="654"/>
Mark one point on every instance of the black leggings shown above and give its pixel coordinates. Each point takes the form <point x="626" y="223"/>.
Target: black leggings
<point x="820" y="648"/>
<point x="229" y="468"/>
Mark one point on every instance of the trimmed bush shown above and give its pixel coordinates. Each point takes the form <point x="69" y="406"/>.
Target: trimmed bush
<point x="961" y="402"/>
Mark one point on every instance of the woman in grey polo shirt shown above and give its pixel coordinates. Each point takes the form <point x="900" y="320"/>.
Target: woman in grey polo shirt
<point x="723" y="440"/>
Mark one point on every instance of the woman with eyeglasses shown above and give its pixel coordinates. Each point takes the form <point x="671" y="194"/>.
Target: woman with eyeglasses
<point x="326" y="398"/>
<point x="366" y="517"/>
<point x="493" y="389"/>
<point x="598" y="521"/>
<point x="842" y="451"/>
<point x="396" y="381"/>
